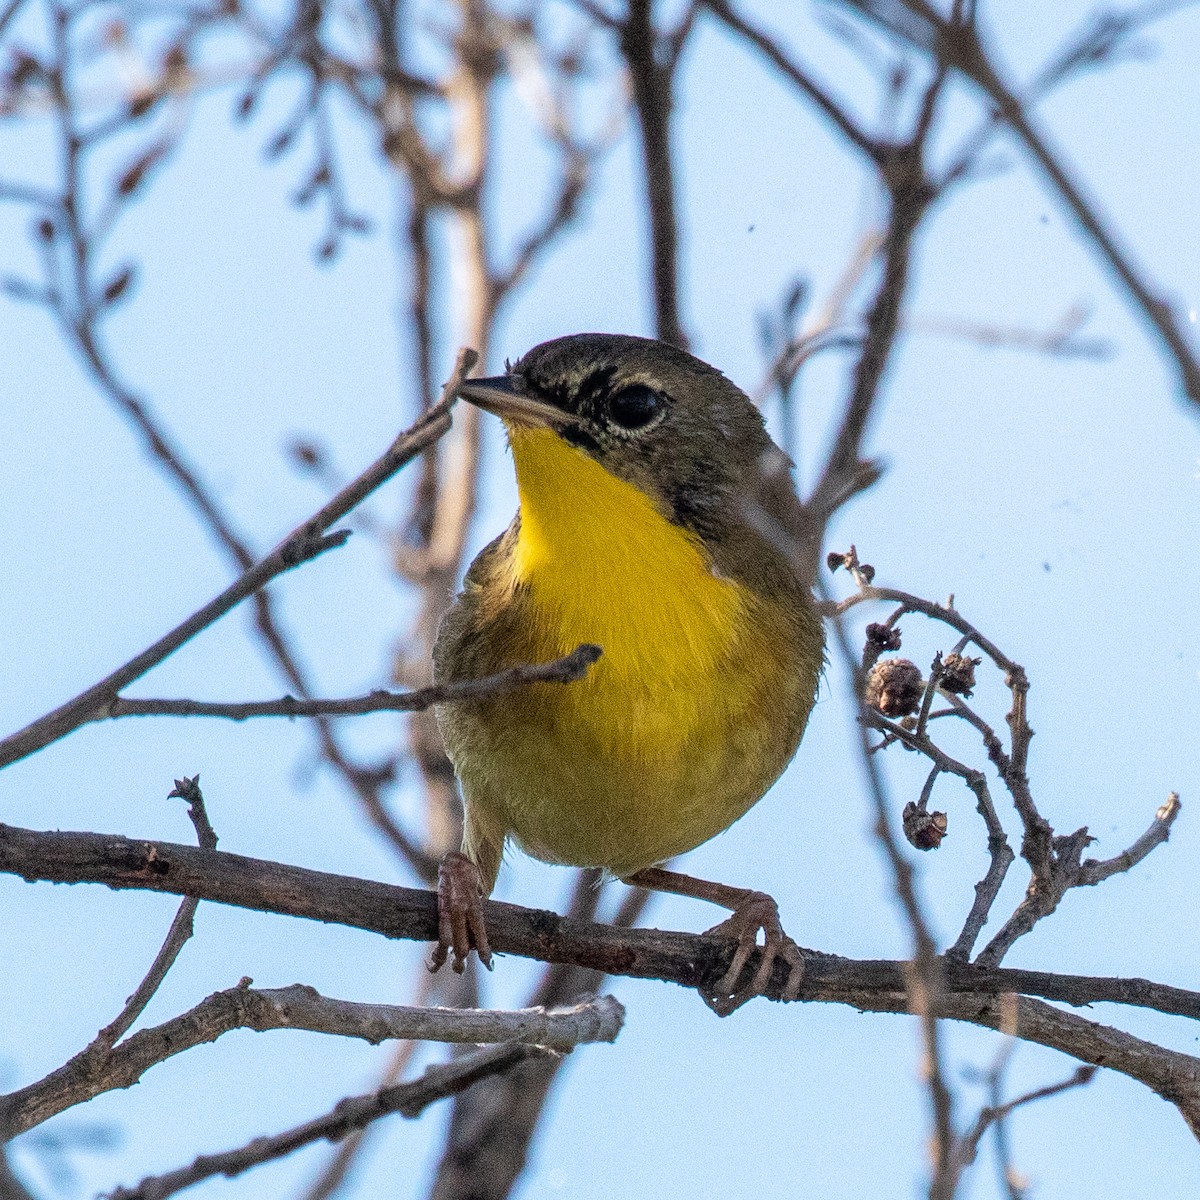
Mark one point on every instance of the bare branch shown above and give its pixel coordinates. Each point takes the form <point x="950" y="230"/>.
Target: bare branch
<point x="1092" y="871"/>
<point x="924" y="972"/>
<point x="845" y="473"/>
<point x="571" y="186"/>
<point x="1000" y="858"/>
<point x="179" y="933"/>
<point x="493" y="1124"/>
<point x="104" y="1068"/>
<point x="802" y="78"/>
<point x="1067" y="871"/>
<point x="336" y="1171"/>
<point x="1060" y="340"/>
<point x="652" y="59"/>
<point x="968" y="992"/>
<point x="398" y="912"/>
<point x="304" y="543"/>
<point x="990" y="1115"/>
<point x="567" y="669"/>
<point x="1054" y="860"/>
<point x="959" y="47"/>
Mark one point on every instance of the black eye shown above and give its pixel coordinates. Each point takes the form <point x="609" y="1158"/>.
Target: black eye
<point x="634" y="406"/>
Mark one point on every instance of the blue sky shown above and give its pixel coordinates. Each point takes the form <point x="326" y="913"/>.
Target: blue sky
<point x="1056" y="498"/>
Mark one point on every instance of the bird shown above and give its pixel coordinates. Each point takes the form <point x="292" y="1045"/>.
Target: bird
<point x="649" y="492"/>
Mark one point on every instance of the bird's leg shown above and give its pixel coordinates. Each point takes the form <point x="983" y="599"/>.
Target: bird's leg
<point x="752" y="911"/>
<point x="460" y="913"/>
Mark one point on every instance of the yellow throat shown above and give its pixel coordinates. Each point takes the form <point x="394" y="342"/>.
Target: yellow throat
<point x="603" y="565"/>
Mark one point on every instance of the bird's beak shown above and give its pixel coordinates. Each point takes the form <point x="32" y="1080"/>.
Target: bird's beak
<point x="502" y="397"/>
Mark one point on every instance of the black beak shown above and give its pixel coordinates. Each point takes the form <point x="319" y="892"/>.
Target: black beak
<point x="503" y="397"/>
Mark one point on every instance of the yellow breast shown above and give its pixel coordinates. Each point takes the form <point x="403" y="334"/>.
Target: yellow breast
<point x="693" y="710"/>
<point x="602" y="565"/>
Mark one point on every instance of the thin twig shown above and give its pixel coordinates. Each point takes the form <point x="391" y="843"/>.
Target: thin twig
<point x="567" y="669"/>
<point x="924" y="973"/>
<point x="348" y="1115"/>
<point x="801" y="78"/>
<point x="1093" y="871"/>
<point x="1000" y="858"/>
<point x="960" y="48"/>
<point x="179" y="933"/>
<point x="1067" y="872"/>
<point x="303" y="544"/>
<point x="991" y="1114"/>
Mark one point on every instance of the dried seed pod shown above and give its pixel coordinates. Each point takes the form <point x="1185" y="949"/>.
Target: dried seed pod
<point x="958" y="674"/>
<point x="883" y="637"/>
<point x="894" y="687"/>
<point x="924" y="830"/>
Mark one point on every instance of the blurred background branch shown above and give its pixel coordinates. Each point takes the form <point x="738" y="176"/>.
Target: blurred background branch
<point x="490" y="141"/>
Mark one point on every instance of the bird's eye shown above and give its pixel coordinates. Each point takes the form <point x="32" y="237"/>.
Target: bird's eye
<point x="635" y="406"/>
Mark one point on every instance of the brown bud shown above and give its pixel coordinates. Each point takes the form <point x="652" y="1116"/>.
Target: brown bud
<point x="118" y="285"/>
<point x="306" y="454"/>
<point x="883" y="637"/>
<point x="142" y="103"/>
<point x="958" y="674"/>
<point x="866" y="571"/>
<point x="23" y="69"/>
<point x="924" y="830"/>
<point x="135" y="174"/>
<point x="834" y="560"/>
<point x="894" y="687"/>
<point x="175" y="61"/>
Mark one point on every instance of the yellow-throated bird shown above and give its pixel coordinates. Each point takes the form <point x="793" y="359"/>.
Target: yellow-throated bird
<point x="636" y="467"/>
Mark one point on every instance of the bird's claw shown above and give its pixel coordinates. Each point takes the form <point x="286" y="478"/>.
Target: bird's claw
<point x="460" y="914"/>
<point x="759" y="911"/>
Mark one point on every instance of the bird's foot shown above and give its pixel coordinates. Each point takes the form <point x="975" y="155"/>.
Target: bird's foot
<point x="757" y="911"/>
<point x="460" y="914"/>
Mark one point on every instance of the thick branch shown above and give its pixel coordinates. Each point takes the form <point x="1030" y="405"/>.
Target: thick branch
<point x="691" y="960"/>
<point x="104" y="1069"/>
<point x="968" y="992"/>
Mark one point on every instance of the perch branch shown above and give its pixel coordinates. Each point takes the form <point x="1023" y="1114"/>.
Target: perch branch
<point x="968" y="992"/>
